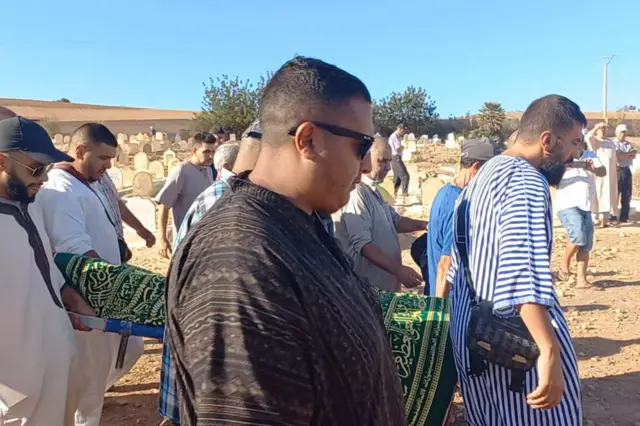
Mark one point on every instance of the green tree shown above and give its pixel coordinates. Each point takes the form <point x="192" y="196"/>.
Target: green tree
<point x="414" y="108"/>
<point x="64" y="100"/>
<point x="229" y="103"/>
<point x="490" y="120"/>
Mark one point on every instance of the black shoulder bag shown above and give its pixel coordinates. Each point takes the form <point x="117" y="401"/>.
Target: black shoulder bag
<point x="505" y="342"/>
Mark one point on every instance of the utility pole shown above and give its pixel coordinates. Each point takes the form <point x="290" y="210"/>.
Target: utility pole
<point x="604" y="95"/>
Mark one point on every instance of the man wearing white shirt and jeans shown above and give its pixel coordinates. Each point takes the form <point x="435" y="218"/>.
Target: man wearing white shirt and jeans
<point x="76" y="221"/>
<point x="400" y="173"/>
<point x="574" y="197"/>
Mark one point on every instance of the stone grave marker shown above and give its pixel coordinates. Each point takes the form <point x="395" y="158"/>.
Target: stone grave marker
<point x="190" y="142"/>
<point x="116" y="176"/>
<point x="167" y="156"/>
<point x="184" y="145"/>
<point x="145" y="210"/>
<point x="134" y="148"/>
<point x="412" y="146"/>
<point x="411" y="137"/>
<point x="451" y="141"/>
<point x="146" y="148"/>
<point x="123" y="158"/>
<point x="159" y="136"/>
<point x="166" y="144"/>
<point x="172" y="165"/>
<point x="140" y="137"/>
<point x="125" y="147"/>
<point x="122" y="139"/>
<point x="133" y="139"/>
<point x="66" y="139"/>
<point x="156" y="168"/>
<point x="157" y="146"/>
<point x="143" y="184"/>
<point x="58" y="139"/>
<point x="140" y="161"/>
<point x="65" y="148"/>
<point x="146" y="138"/>
<point x="127" y="176"/>
<point x="178" y="138"/>
<point x="232" y="137"/>
<point x="430" y="188"/>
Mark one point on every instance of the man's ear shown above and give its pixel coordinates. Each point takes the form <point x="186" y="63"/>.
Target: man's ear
<point x="3" y="162"/>
<point x="546" y="141"/>
<point x="303" y="141"/>
<point x="81" y="150"/>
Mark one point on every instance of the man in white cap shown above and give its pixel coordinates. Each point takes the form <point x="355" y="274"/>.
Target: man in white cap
<point x="626" y="153"/>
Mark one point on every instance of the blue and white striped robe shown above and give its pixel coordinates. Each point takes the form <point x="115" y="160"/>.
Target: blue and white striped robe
<point x="510" y="236"/>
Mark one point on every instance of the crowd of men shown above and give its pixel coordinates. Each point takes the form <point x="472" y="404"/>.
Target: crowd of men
<point x="271" y="313"/>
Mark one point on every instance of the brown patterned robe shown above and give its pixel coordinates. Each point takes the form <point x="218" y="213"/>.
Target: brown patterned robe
<point x="269" y="325"/>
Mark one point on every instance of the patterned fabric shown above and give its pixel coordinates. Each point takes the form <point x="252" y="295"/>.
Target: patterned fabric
<point x="200" y="206"/>
<point x="510" y="234"/>
<point x="115" y="291"/>
<point x="418" y="329"/>
<point x="106" y="190"/>
<point x="268" y="323"/>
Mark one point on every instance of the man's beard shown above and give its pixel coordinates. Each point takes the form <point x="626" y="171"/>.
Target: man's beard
<point x="18" y="191"/>
<point x="552" y="170"/>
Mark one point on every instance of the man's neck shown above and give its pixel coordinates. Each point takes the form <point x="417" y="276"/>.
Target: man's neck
<point x="79" y="167"/>
<point x="278" y="179"/>
<point x="531" y="154"/>
<point x="195" y="162"/>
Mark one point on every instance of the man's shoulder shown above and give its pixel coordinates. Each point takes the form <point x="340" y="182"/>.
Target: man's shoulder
<point x="61" y="184"/>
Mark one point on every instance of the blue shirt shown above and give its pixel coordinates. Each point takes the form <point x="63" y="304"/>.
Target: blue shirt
<point x="440" y="236"/>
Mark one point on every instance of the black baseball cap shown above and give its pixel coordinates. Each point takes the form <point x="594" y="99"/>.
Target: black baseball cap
<point x="20" y="134"/>
<point x="477" y="149"/>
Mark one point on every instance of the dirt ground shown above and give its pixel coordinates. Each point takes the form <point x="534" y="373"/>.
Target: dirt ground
<point x="603" y="324"/>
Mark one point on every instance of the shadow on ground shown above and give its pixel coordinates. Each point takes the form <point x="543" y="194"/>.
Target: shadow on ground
<point x="589" y="347"/>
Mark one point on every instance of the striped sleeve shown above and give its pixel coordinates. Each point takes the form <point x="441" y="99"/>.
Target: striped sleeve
<point x="524" y="274"/>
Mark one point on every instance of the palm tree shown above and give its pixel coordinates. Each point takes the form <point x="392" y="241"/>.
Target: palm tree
<point x="491" y="119"/>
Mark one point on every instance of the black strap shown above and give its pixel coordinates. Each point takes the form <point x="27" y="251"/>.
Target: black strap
<point x="460" y="230"/>
<point x="23" y="218"/>
<point x="73" y="172"/>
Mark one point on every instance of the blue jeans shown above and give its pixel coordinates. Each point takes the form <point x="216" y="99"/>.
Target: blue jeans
<point x="579" y="225"/>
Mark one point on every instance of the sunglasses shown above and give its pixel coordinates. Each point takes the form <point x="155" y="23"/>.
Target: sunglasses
<point x="37" y="171"/>
<point x="365" y="141"/>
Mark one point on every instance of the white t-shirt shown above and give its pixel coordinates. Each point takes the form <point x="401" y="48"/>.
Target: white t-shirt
<point x="577" y="187"/>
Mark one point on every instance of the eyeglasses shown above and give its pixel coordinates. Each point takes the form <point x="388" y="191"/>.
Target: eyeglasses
<point x="365" y="141"/>
<point x="37" y="171"/>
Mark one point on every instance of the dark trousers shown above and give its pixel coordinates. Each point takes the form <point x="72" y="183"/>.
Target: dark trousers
<point x="625" y="187"/>
<point x="400" y="175"/>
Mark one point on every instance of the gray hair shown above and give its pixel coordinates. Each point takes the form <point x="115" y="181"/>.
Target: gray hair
<point x="226" y="154"/>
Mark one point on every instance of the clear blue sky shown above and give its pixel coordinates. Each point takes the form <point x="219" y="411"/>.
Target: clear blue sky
<point x="157" y="53"/>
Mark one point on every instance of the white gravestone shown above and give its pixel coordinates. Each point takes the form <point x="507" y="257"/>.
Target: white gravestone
<point x="451" y="141"/>
<point x="116" y="176"/>
<point x="123" y="158"/>
<point x="168" y="156"/>
<point x="140" y="137"/>
<point x="157" y="146"/>
<point x="134" y="148"/>
<point x="58" y="139"/>
<point x="145" y="210"/>
<point x="127" y="176"/>
<point x="122" y="139"/>
<point x="178" y="138"/>
<point x="172" y="165"/>
<point x="143" y="184"/>
<point x="141" y="161"/>
<point x="156" y="168"/>
<point x="66" y="139"/>
<point x="159" y="136"/>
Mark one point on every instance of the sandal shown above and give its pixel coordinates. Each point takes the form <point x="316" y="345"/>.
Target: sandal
<point x="563" y="275"/>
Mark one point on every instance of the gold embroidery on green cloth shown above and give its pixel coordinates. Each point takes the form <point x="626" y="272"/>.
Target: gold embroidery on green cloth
<point x="122" y="292"/>
<point x="418" y="328"/>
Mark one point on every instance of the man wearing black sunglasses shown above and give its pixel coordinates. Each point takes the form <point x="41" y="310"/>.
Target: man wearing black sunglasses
<point x="38" y="343"/>
<point x="265" y="314"/>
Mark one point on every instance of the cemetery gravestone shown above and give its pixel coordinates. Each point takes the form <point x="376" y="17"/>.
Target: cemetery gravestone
<point x="133" y="139"/>
<point x="66" y="139"/>
<point x="156" y="147"/>
<point x="140" y="137"/>
<point x="122" y="139"/>
<point x="451" y="141"/>
<point x="429" y="190"/>
<point x="145" y="210"/>
<point x="146" y="138"/>
<point x="143" y="184"/>
<point x="134" y="148"/>
<point x="232" y="137"/>
<point x="123" y="158"/>
<point x="184" y="145"/>
<point x="127" y="176"/>
<point x="168" y="156"/>
<point x="58" y="139"/>
<point x="159" y="136"/>
<point x="156" y="168"/>
<point x="65" y="148"/>
<point x="146" y="148"/>
<point x="178" y="138"/>
<point x="141" y="161"/>
<point x="116" y="176"/>
<point x="172" y="165"/>
<point x="166" y="144"/>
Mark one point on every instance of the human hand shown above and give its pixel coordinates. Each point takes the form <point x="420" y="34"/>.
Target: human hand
<point x="601" y="125"/>
<point x="589" y="165"/>
<point x="76" y="304"/>
<point x="165" y="248"/>
<point x="147" y="236"/>
<point x="408" y="277"/>
<point x="550" y="388"/>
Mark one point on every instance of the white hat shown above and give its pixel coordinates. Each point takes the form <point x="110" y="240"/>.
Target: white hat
<point x="621" y="128"/>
